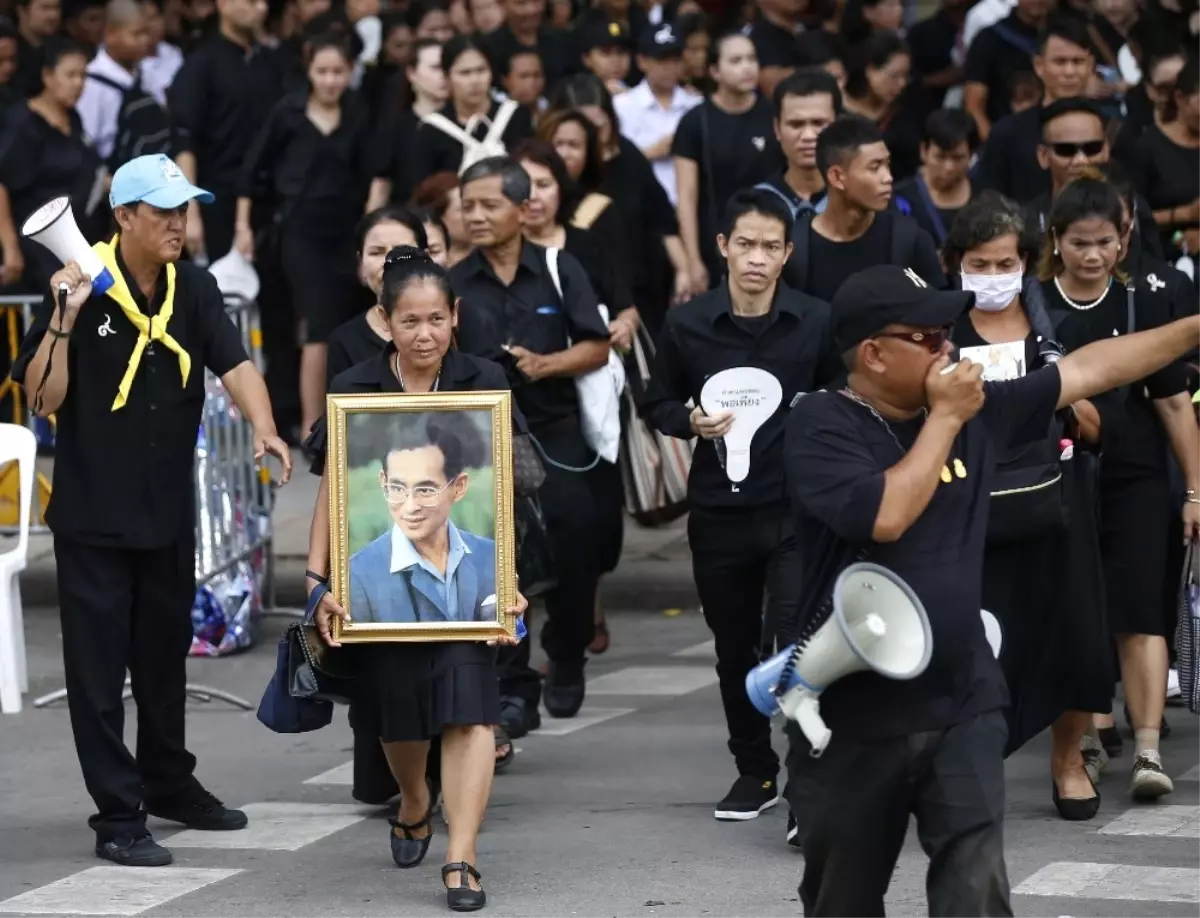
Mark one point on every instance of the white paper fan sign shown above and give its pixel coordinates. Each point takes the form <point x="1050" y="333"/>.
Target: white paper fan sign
<point x="993" y="631"/>
<point x="753" y="395"/>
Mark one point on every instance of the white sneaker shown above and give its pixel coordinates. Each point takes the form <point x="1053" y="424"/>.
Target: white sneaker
<point x="1173" y="690"/>
<point x="1095" y="759"/>
<point x="1149" y="781"/>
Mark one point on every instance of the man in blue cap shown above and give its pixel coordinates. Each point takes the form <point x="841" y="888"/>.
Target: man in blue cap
<point x="127" y="389"/>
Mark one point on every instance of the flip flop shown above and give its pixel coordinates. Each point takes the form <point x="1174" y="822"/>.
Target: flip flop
<point x="502" y="741"/>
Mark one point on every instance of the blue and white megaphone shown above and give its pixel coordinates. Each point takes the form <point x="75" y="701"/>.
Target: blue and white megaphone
<point x="53" y="225"/>
<point x="877" y="623"/>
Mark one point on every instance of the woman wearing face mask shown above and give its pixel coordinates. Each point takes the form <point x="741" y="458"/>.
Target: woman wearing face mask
<point x="1084" y="284"/>
<point x="1041" y="579"/>
<point x="311" y="157"/>
<point x="406" y="694"/>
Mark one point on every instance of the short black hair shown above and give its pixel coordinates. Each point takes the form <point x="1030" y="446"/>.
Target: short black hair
<point x="817" y="47"/>
<point x="453" y="432"/>
<point x="518" y="51"/>
<point x="718" y="44"/>
<point x="1188" y="81"/>
<point x="1083" y="199"/>
<point x="987" y="217"/>
<point x="946" y="128"/>
<point x="757" y="201"/>
<point x="389" y="213"/>
<point x="807" y="81"/>
<point x="1070" y="106"/>
<point x="407" y="264"/>
<point x="460" y="45"/>
<point x="514" y="181"/>
<point x="842" y="140"/>
<point x="55" y="48"/>
<point x="1066" y="27"/>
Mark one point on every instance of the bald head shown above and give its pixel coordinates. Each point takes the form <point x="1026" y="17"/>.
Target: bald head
<point x="122" y="13"/>
<point x="126" y="32"/>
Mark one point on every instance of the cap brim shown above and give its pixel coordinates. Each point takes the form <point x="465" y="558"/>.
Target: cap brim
<point x="176" y="194"/>
<point x="941" y="309"/>
<point x="662" y="54"/>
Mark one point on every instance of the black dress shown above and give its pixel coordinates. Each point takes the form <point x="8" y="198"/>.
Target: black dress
<point x="1047" y="595"/>
<point x="410" y="692"/>
<point x="351" y="343"/>
<point x="1166" y="174"/>
<point x="1136" y="510"/>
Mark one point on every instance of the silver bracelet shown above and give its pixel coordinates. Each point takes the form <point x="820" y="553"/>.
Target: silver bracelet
<point x="1191" y="500"/>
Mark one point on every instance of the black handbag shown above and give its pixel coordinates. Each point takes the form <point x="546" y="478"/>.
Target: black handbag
<point x="528" y="472"/>
<point x="536" y="569"/>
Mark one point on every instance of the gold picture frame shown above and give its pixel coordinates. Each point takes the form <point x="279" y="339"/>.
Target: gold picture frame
<point x="369" y="491"/>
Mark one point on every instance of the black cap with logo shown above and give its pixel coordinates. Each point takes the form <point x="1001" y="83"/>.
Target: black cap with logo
<point x="661" y="42"/>
<point x="598" y="34"/>
<point x="873" y="299"/>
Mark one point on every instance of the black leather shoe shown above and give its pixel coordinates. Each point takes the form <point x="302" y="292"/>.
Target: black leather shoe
<point x="142" y="851"/>
<point x="1075" y="809"/>
<point x="518" y="717"/>
<point x="563" y="691"/>
<point x="409" y="851"/>
<point x="198" y="810"/>
<point x="462" y="898"/>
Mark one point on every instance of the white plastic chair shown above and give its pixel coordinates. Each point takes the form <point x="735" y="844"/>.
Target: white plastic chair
<point x="16" y="443"/>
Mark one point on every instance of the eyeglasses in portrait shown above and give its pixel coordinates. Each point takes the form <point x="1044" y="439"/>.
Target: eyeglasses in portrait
<point x="420" y="504"/>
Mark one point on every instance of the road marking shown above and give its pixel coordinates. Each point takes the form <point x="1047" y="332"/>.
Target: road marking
<point x="1173" y="821"/>
<point x="653" y="680"/>
<point x="1113" y="881"/>
<point x="343" y="774"/>
<point x="278" y="827"/>
<point x="1192" y="774"/>
<point x="706" y="650"/>
<point x="589" y="717"/>
<point x="113" y="890"/>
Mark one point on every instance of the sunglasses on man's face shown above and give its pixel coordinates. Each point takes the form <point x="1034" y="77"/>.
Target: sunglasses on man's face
<point x="1089" y="148"/>
<point x="933" y="340"/>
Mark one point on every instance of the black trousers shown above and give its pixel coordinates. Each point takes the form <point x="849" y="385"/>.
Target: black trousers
<point x="853" y="804"/>
<point x="121" y="610"/>
<point x="739" y="559"/>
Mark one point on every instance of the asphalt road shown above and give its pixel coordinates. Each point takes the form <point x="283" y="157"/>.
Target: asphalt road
<point x="609" y="814"/>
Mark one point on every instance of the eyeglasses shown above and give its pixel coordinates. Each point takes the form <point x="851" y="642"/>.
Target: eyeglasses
<point x="933" y="340"/>
<point x="423" y="496"/>
<point x="1088" y="148"/>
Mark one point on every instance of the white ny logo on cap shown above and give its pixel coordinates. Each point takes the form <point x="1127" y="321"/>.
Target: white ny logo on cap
<point x="664" y="36"/>
<point x="914" y="277"/>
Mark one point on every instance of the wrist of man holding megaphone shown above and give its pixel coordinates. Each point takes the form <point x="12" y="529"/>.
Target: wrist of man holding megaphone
<point x="78" y="287"/>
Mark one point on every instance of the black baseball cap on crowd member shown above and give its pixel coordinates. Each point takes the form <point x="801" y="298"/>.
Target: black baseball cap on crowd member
<point x="661" y="42"/>
<point x="597" y="34"/>
<point x="1068" y="106"/>
<point x="881" y="295"/>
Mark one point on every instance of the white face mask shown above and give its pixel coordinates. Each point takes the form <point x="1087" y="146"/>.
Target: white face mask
<point x="993" y="291"/>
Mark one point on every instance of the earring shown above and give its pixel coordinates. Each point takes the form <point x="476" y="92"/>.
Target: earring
<point x="1056" y="248"/>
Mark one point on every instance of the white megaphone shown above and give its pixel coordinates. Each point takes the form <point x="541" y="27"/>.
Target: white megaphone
<point x="53" y="225"/>
<point x="877" y="623"/>
<point x="752" y="395"/>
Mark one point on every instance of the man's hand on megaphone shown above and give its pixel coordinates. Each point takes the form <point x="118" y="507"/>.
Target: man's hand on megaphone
<point x="711" y="426"/>
<point x="79" y="288"/>
<point x="957" y="393"/>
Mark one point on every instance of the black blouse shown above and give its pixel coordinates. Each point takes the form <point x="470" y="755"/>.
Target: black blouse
<point x="434" y="151"/>
<point x="351" y="343"/>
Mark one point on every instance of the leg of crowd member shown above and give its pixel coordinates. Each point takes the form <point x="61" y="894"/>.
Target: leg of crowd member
<point x="412" y="826"/>
<point x="312" y="384"/>
<point x="730" y="556"/>
<point x="468" y="759"/>
<point x="857" y="815"/>
<point x="520" y="687"/>
<point x="1144" y="665"/>
<point x="959" y="805"/>
<point x="784" y="583"/>
<point x="1067" y="767"/>
<point x="95" y="589"/>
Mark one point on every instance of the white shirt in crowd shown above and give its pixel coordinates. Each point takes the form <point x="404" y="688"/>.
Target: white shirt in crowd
<point x="644" y="122"/>
<point x="983" y="14"/>
<point x="159" y="69"/>
<point x="100" y="104"/>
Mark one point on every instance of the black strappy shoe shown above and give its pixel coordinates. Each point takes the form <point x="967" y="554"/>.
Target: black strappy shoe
<point x="408" y="851"/>
<point x="462" y="898"/>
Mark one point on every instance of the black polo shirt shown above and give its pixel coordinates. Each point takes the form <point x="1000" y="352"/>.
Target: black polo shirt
<point x="460" y="373"/>
<point x="125" y="478"/>
<point x="528" y="313"/>
<point x="703" y="337"/>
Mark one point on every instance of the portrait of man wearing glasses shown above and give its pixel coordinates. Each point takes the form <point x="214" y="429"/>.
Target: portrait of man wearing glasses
<point x="424" y="568"/>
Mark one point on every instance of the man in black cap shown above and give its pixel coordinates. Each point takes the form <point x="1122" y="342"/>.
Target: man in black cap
<point x="897" y="466"/>
<point x="605" y="48"/>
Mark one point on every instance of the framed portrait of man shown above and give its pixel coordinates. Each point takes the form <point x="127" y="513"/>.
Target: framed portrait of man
<point x="421" y="515"/>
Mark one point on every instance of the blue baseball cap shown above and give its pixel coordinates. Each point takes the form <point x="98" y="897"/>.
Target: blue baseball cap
<point x="156" y="180"/>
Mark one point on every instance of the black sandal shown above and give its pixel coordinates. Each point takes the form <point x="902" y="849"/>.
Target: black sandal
<point x="502" y="740"/>
<point x="408" y="851"/>
<point x="462" y="898"/>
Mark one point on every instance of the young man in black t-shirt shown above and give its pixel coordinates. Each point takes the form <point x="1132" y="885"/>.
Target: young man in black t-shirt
<point x="898" y="466"/>
<point x="856" y="229"/>
<point x="942" y="186"/>
<point x="805" y="103"/>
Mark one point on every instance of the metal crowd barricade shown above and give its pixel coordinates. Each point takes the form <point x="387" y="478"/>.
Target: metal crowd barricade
<point x="234" y="497"/>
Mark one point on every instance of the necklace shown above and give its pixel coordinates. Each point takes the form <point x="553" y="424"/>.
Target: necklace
<point x="1082" y="307"/>
<point x="400" y="376"/>
<point x="960" y="470"/>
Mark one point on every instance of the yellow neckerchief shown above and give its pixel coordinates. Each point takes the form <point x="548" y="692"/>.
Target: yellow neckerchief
<point x="154" y="329"/>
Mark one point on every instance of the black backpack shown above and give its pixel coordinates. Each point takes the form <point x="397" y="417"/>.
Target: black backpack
<point x="903" y="243"/>
<point x="142" y="123"/>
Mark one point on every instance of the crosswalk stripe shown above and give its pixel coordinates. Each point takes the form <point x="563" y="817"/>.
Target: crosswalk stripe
<point x="1173" y="821"/>
<point x="113" y="890"/>
<point x="1192" y="774"/>
<point x="1077" y="879"/>
<point x="588" y="717"/>
<point x="653" y="680"/>
<point x="278" y="827"/>
<point x="705" y="650"/>
<point x="341" y="775"/>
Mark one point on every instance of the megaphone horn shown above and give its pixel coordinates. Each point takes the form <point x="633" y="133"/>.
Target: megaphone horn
<point x="53" y="225"/>
<point x="877" y="623"/>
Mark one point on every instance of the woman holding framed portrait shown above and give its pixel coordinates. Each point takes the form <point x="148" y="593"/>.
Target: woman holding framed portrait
<point x="412" y="528"/>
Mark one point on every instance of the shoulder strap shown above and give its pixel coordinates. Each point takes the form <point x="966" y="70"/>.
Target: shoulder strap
<point x="798" y="263"/>
<point x="1014" y="38"/>
<point x="552" y="267"/>
<point x="935" y="217"/>
<point x="1130" y="311"/>
<point x="1039" y="320"/>
<point x="504" y="115"/>
<point x="111" y="83"/>
<point x="767" y="186"/>
<point x="448" y="127"/>
<point x="904" y="238"/>
<point x="589" y="210"/>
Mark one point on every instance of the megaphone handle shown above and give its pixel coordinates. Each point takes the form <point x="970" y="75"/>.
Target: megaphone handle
<point x="804" y="708"/>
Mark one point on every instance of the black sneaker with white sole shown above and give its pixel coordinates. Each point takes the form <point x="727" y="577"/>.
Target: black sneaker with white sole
<point x="793" y="833"/>
<point x="748" y="797"/>
<point x="198" y="810"/>
<point x="142" y="851"/>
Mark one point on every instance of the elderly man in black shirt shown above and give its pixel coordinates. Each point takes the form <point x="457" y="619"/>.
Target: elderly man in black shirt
<point x="123" y="373"/>
<point x="513" y="314"/>
<point x="898" y="465"/>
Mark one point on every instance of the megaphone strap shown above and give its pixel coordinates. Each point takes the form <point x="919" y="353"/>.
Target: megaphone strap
<point x="149" y="329"/>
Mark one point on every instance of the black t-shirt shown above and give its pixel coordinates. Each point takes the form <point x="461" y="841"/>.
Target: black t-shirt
<point x="733" y="152"/>
<point x="932" y="43"/>
<point x="836" y="455"/>
<point x="1008" y="162"/>
<point x="1167" y="175"/>
<point x="1132" y="437"/>
<point x="391" y="153"/>
<point x="774" y="45"/>
<point x="351" y="343"/>
<point x="910" y="199"/>
<point x="997" y="54"/>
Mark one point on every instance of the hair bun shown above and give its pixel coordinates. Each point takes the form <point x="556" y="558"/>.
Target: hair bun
<point x="406" y="253"/>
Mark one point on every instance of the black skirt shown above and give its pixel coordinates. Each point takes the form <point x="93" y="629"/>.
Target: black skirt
<point x="1135" y="529"/>
<point x="1047" y="596"/>
<point x="411" y="692"/>
<point x="321" y="281"/>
